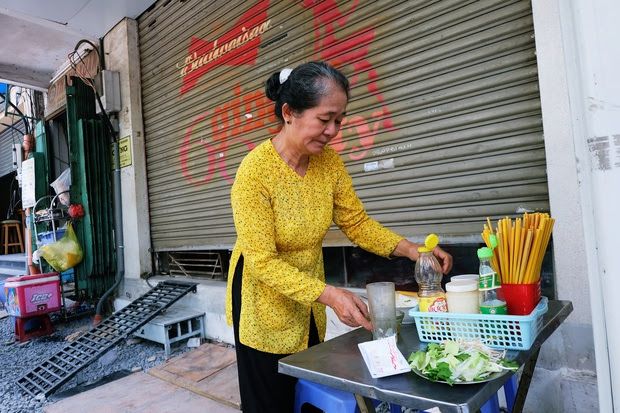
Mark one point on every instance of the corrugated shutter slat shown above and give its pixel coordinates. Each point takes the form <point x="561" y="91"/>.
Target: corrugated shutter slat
<point x="443" y="128"/>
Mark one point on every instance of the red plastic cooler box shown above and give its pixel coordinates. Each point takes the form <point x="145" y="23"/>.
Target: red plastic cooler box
<point x="32" y="295"/>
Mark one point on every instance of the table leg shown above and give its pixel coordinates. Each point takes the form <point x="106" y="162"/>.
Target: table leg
<point x="524" y="383"/>
<point x="365" y="404"/>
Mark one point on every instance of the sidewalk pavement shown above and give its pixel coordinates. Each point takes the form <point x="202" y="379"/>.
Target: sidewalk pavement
<point x="201" y="380"/>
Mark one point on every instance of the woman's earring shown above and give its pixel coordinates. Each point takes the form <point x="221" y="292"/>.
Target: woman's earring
<point x="288" y="122"/>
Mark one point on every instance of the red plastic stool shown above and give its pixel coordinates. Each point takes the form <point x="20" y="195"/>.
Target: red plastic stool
<point x="44" y="328"/>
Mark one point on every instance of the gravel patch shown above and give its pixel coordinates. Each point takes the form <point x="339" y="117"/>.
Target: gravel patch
<point x="16" y="359"/>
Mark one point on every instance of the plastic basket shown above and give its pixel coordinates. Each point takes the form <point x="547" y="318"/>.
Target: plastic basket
<point x="497" y="331"/>
<point x="46" y="238"/>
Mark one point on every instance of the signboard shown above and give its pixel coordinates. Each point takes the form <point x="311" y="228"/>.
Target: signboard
<point x="124" y="150"/>
<point x="29" y="198"/>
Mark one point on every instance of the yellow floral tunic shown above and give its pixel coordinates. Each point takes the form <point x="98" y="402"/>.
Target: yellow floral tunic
<point x="281" y="219"/>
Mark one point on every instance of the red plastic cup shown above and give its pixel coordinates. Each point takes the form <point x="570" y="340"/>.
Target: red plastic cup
<point x="521" y="299"/>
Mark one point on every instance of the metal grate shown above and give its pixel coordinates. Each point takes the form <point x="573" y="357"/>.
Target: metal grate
<point x="60" y="368"/>
<point x="198" y="264"/>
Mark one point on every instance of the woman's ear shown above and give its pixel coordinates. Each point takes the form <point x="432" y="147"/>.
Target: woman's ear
<point x="287" y="113"/>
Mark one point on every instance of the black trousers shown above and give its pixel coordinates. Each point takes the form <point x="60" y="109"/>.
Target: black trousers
<point x="262" y="388"/>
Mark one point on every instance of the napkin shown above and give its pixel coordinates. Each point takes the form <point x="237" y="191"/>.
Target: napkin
<point x="383" y="358"/>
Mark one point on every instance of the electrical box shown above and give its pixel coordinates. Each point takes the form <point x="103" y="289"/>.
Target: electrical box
<point x="33" y="179"/>
<point x="17" y="156"/>
<point x="108" y="85"/>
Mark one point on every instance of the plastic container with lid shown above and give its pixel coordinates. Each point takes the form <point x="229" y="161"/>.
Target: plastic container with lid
<point x="462" y="296"/>
<point x="465" y="277"/>
<point x="431" y="297"/>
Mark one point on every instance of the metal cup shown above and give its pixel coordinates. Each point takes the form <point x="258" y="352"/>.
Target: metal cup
<point x="382" y="306"/>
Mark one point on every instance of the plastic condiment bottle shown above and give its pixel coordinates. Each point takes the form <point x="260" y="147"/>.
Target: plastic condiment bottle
<point x="462" y="296"/>
<point x="431" y="297"/>
<point x="489" y="286"/>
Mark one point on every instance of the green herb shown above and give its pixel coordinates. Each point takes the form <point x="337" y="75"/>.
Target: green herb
<point x="465" y="361"/>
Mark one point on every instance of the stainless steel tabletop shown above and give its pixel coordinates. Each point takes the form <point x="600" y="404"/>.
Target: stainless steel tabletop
<point x="338" y="363"/>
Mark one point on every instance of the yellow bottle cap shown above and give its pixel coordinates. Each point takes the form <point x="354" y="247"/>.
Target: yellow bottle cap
<point x="429" y="243"/>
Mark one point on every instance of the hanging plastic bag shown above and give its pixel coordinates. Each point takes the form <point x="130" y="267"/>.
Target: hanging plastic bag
<point x="64" y="253"/>
<point x="62" y="184"/>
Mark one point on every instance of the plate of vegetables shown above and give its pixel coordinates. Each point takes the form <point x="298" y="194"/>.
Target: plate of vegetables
<point x="460" y="362"/>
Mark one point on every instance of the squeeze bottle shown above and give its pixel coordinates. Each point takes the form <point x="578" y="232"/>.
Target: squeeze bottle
<point x="431" y="297"/>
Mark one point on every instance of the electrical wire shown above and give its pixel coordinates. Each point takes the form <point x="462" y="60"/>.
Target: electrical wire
<point x="13" y="201"/>
<point x="86" y="77"/>
<point x="31" y="95"/>
<point x="90" y="43"/>
<point x="19" y="112"/>
<point x="81" y="70"/>
<point x="12" y="127"/>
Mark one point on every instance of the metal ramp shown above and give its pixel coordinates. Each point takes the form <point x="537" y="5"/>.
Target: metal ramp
<point x="60" y="368"/>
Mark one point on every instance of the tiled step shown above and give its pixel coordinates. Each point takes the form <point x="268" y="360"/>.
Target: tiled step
<point x="13" y="261"/>
<point x="11" y="272"/>
<point x="12" y="264"/>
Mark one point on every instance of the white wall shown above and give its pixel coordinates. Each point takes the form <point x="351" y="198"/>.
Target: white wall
<point x="577" y="52"/>
<point x="122" y="55"/>
<point x="595" y="103"/>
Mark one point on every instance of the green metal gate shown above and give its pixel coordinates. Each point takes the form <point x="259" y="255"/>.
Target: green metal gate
<point x="91" y="187"/>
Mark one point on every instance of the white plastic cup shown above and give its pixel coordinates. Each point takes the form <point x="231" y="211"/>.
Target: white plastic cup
<point x="382" y="307"/>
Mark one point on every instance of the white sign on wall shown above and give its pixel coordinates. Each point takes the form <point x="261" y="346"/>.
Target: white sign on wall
<point x="28" y="194"/>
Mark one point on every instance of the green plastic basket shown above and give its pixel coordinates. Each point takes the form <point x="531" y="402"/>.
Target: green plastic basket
<point x="497" y="331"/>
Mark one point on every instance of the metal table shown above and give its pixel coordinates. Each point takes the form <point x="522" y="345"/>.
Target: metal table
<point x="338" y="363"/>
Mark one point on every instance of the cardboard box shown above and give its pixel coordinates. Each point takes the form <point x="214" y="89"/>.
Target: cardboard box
<point x="32" y="295"/>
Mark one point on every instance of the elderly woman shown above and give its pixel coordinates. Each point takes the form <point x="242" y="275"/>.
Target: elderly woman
<point x="286" y="195"/>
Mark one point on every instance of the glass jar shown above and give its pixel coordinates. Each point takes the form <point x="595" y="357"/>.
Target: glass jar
<point x="462" y="296"/>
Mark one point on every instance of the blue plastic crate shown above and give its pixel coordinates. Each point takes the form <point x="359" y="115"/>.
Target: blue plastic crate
<point x="67" y="276"/>
<point x="46" y="238"/>
<point x="497" y="331"/>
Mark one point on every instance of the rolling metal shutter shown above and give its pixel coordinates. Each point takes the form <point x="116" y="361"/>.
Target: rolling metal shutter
<point x="8" y="137"/>
<point x="443" y="128"/>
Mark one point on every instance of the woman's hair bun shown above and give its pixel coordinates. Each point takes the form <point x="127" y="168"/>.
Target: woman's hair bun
<point x="273" y="87"/>
<point x="303" y="87"/>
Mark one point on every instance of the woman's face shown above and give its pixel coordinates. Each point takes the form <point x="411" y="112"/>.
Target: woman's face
<point x="315" y="127"/>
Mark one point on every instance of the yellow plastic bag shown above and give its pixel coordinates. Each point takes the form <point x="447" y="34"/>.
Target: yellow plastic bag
<point x="64" y="253"/>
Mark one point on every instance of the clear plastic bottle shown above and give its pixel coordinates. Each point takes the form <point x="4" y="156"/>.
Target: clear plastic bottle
<point x="431" y="297"/>
<point x="490" y="296"/>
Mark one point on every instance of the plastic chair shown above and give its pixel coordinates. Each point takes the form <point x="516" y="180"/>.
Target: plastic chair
<point x="333" y="400"/>
<point x="329" y="399"/>
<point x="510" y="391"/>
<point x="325" y="398"/>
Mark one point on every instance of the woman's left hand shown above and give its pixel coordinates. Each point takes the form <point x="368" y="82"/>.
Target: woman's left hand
<point x="406" y="248"/>
<point x="444" y="259"/>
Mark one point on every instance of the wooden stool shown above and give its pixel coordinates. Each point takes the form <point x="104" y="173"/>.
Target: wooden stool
<point x="11" y="236"/>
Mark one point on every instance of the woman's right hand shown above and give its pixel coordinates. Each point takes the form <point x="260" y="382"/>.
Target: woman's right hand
<point x="349" y="307"/>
